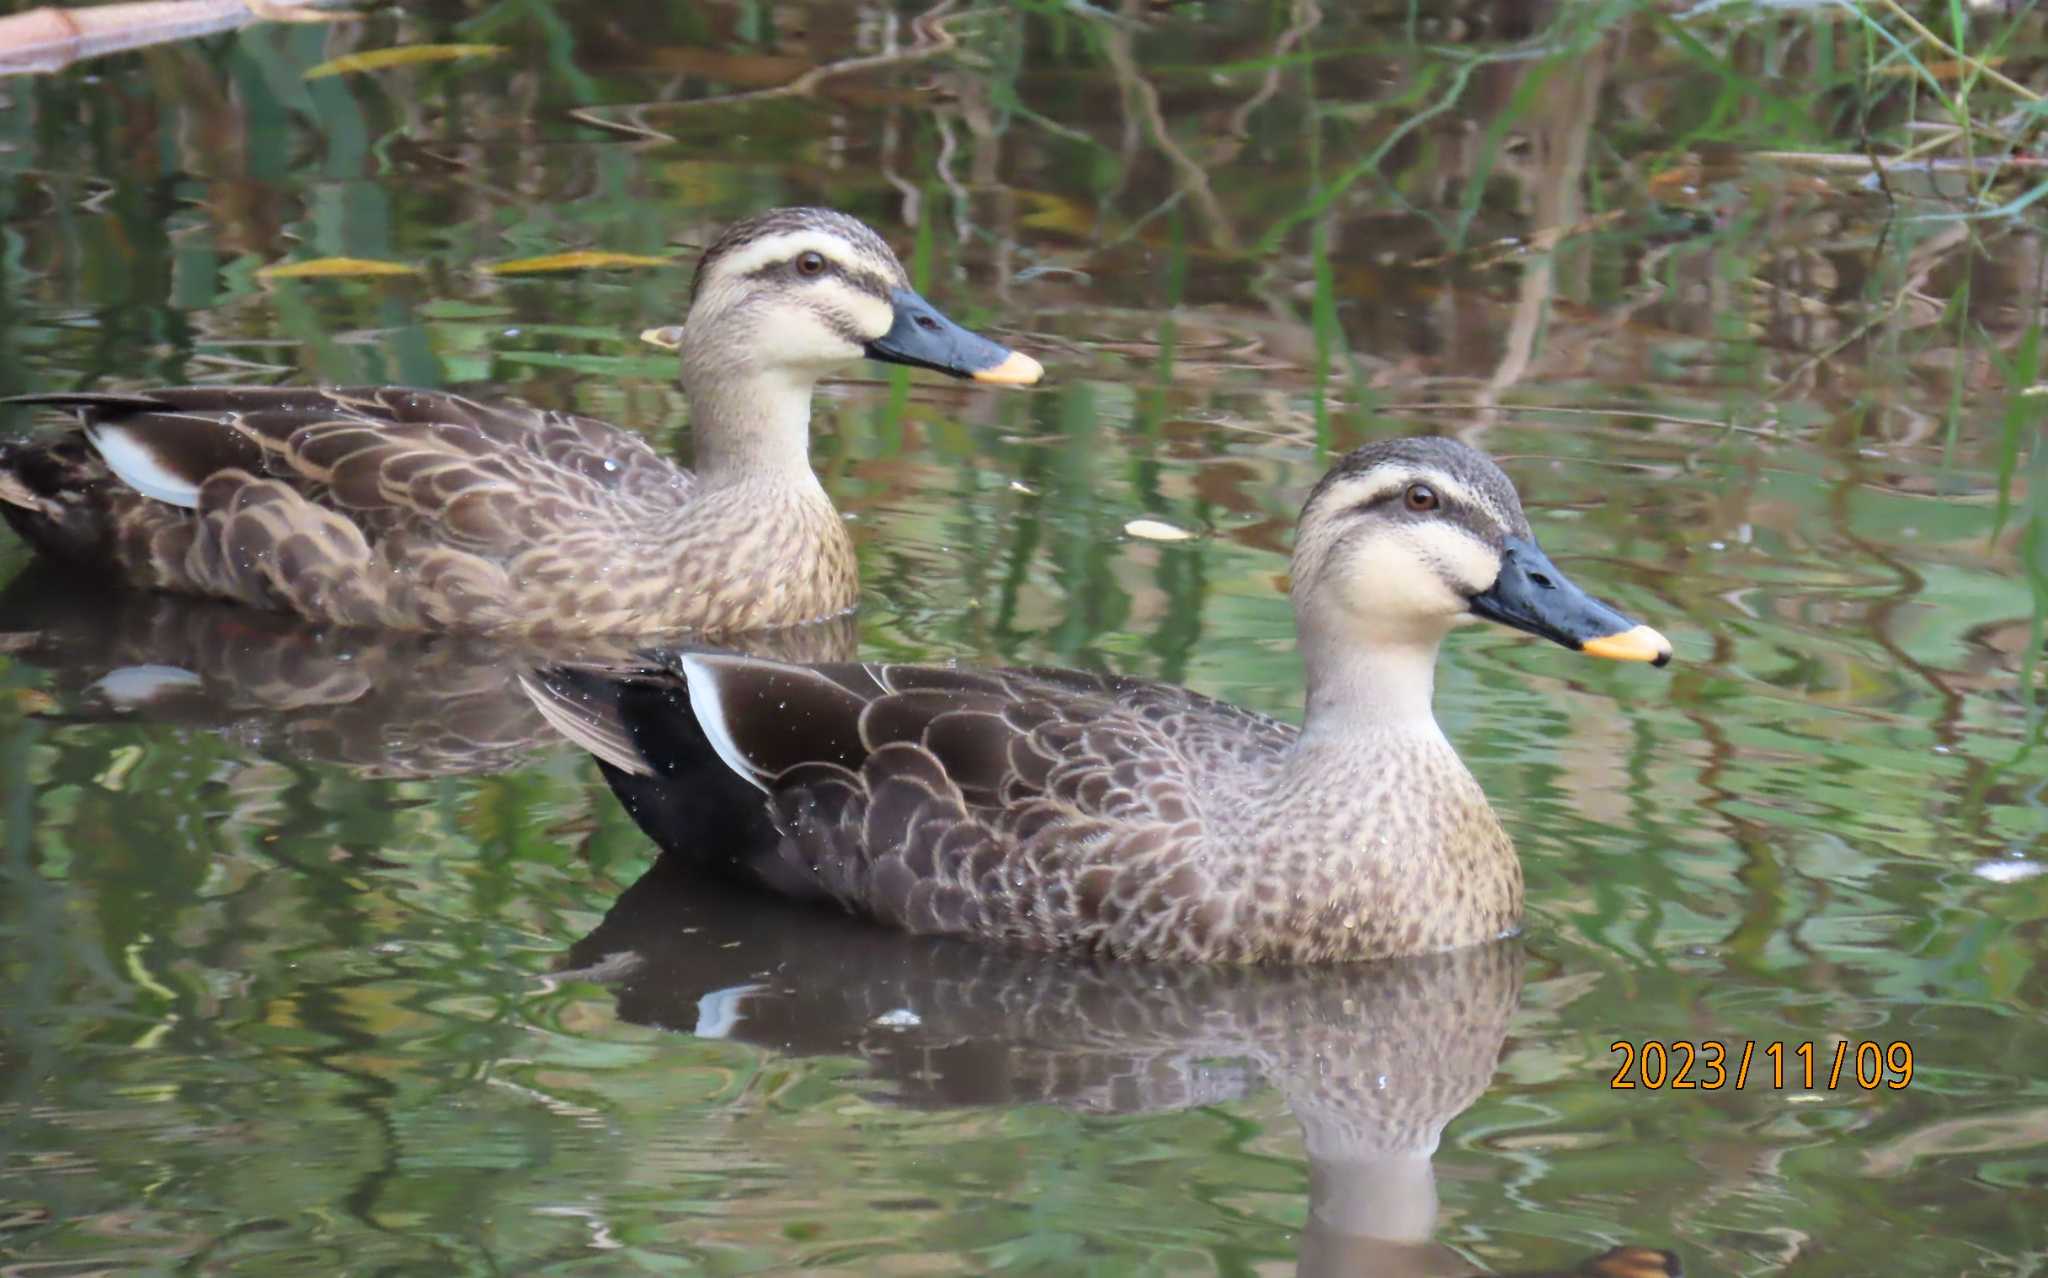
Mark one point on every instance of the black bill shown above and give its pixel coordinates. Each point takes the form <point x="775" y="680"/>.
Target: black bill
<point x="1532" y="595"/>
<point x="923" y="337"/>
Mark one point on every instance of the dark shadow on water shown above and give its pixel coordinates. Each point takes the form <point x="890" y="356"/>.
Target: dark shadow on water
<point x="1373" y="1059"/>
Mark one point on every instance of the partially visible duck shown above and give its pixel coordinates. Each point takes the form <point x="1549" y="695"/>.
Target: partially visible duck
<point x="424" y="510"/>
<point x="1059" y="810"/>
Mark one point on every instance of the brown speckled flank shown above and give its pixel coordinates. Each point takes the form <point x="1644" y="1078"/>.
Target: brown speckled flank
<point x="1059" y="810"/>
<point x="418" y="510"/>
<point x="422" y="510"/>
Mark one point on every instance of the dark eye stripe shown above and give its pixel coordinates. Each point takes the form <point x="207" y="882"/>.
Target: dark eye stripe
<point x="864" y="280"/>
<point x="1379" y="500"/>
<point x="1448" y="507"/>
<point x="786" y="266"/>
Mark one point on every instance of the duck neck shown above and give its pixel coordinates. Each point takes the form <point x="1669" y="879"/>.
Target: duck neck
<point x="750" y="424"/>
<point x="1366" y="686"/>
<point x="1374" y="828"/>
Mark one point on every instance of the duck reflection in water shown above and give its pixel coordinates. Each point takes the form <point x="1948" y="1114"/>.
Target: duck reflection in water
<point x="1373" y="1059"/>
<point x="380" y="703"/>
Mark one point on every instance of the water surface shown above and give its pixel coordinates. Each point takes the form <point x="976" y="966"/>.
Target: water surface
<point x="305" y="968"/>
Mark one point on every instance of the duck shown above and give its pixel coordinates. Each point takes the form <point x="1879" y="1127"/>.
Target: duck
<point x="422" y="510"/>
<point x="1120" y="817"/>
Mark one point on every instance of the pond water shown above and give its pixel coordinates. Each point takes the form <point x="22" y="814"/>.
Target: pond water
<point x="309" y="962"/>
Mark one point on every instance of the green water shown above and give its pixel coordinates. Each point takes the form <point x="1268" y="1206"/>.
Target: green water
<point x="297" y="982"/>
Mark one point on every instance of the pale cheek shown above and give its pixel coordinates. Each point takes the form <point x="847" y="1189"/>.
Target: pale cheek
<point x="806" y="340"/>
<point x="870" y="315"/>
<point x="1464" y="560"/>
<point x="1419" y="571"/>
<point x="1402" y="593"/>
<point x="1388" y="578"/>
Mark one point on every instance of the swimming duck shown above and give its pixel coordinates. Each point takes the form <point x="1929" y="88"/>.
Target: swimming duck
<point x="1120" y="817"/>
<point x="424" y="510"/>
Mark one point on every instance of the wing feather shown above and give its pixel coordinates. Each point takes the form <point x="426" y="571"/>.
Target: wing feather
<point x="451" y="488"/>
<point x="1007" y="804"/>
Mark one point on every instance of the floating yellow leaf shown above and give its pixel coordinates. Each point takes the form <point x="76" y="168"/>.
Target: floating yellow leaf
<point x="668" y="337"/>
<point x="580" y="260"/>
<point x="407" y="55"/>
<point x="333" y="268"/>
<point x="1050" y="212"/>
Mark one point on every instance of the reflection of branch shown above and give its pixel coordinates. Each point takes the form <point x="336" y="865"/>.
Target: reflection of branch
<point x="1633" y="414"/>
<point x="1369" y="164"/>
<point x="50" y="38"/>
<point x="932" y="39"/>
<point x="1194" y="179"/>
<point x="1562" y="157"/>
<point x="912" y="213"/>
<point x="1532" y="303"/>
<point x="1308" y="16"/>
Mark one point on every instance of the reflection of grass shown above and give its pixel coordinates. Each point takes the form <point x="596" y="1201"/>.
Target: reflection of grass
<point x="2021" y="449"/>
<point x="1946" y="101"/>
<point x="1951" y="91"/>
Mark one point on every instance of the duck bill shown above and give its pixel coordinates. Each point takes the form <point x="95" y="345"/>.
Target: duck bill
<point x="923" y="337"/>
<point x="1532" y="595"/>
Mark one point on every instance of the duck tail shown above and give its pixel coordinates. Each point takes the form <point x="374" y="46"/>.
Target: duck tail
<point x="655" y="755"/>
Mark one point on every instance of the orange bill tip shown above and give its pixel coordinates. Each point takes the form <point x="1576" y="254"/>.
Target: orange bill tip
<point x="1639" y="644"/>
<point x="1017" y="370"/>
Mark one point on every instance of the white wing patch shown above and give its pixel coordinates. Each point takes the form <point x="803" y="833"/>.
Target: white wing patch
<point x="137" y="465"/>
<point x="701" y="674"/>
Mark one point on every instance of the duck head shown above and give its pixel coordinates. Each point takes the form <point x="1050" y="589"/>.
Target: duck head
<point x="1405" y="539"/>
<point x="806" y="291"/>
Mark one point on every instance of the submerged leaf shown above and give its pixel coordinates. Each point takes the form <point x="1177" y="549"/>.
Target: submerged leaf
<point x="579" y="260"/>
<point x="1155" y="530"/>
<point x="333" y="268"/>
<point x="407" y="55"/>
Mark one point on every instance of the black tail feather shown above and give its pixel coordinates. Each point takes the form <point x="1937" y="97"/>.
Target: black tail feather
<point x="689" y="801"/>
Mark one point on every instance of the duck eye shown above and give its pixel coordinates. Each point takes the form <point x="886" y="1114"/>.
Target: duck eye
<point x="1421" y="497"/>
<point x="810" y="263"/>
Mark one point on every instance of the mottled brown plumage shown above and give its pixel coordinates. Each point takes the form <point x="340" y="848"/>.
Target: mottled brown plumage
<point x="424" y="510"/>
<point x="1059" y="810"/>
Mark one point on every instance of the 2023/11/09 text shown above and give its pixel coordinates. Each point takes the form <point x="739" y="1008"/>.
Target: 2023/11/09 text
<point x="1709" y="1065"/>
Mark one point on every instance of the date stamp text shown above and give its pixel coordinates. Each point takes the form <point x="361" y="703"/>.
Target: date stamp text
<point x="1708" y="1065"/>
